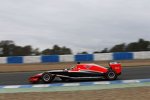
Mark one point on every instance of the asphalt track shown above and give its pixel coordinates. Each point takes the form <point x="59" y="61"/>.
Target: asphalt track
<point x="20" y="78"/>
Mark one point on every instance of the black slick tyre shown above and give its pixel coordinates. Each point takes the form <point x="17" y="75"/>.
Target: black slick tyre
<point x="111" y="75"/>
<point x="47" y="77"/>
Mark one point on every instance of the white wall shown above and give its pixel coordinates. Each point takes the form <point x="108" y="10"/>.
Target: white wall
<point x="32" y="59"/>
<point x="103" y="56"/>
<point x="66" y="58"/>
<point x="3" y="60"/>
<point x="141" y="55"/>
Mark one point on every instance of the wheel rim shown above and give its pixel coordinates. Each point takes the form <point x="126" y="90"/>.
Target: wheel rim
<point x="111" y="75"/>
<point x="46" y="77"/>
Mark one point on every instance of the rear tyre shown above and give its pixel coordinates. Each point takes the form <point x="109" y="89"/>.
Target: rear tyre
<point x="47" y="77"/>
<point x="111" y="75"/>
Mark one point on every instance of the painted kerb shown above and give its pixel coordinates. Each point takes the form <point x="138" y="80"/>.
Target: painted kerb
<point x="77" y="84"/>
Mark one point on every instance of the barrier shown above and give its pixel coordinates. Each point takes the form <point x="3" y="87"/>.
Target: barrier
<point x="76" y="58"/>
<point x="123" y="56"/>
<point x="3" y="60"/>
<point x="15" y="59"/>
<point x="142" y="55"/>
<point x="84" y="57"/>
<point x="103" y="56"/>
<point x="66" y="58"/>
<point x="32" y="59"/>
<point x="51" y="58"/>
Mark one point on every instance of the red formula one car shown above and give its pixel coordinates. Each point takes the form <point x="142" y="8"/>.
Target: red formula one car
<point x="80" y="71"/>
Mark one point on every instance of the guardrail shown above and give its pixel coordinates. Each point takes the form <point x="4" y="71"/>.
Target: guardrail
<point x="75" y="58"/>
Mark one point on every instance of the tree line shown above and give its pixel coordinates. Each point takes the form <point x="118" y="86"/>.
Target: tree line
<point x="140" y="45"/>
<point x="9" y="48"/>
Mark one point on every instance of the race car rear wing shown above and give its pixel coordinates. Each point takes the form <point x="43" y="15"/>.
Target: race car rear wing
<point x="115" y="66"/>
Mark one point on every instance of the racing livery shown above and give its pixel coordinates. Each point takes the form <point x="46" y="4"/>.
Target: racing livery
<point x="80" y="71"/>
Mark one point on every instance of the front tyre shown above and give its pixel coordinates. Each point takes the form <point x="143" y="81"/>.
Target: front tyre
<point x="47" y="77"/>
<point x="111" y="75"/>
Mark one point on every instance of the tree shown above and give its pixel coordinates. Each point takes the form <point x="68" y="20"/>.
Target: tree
<point x="6" y="42"/>
<point x="56" y="50"/>
<point x="141" y="45"/>
<point x="36" y="51"/>
<point x="65" y="50"/>
<point x="27" y="50"/>
<point x="97" y="52"/>
<point x="118" y="48"/>
<point x="7" y="46"/>
<point x="105" y="50"/>
<point x="84" y="52"/>
<point x="10" y="49"/>
<point x="47" y="52"/>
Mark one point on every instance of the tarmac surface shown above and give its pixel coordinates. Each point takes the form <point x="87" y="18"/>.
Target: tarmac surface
<point x="20" y="78"/>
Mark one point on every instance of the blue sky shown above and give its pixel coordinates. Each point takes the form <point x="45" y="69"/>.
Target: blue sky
<point x="82" y="25"/>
